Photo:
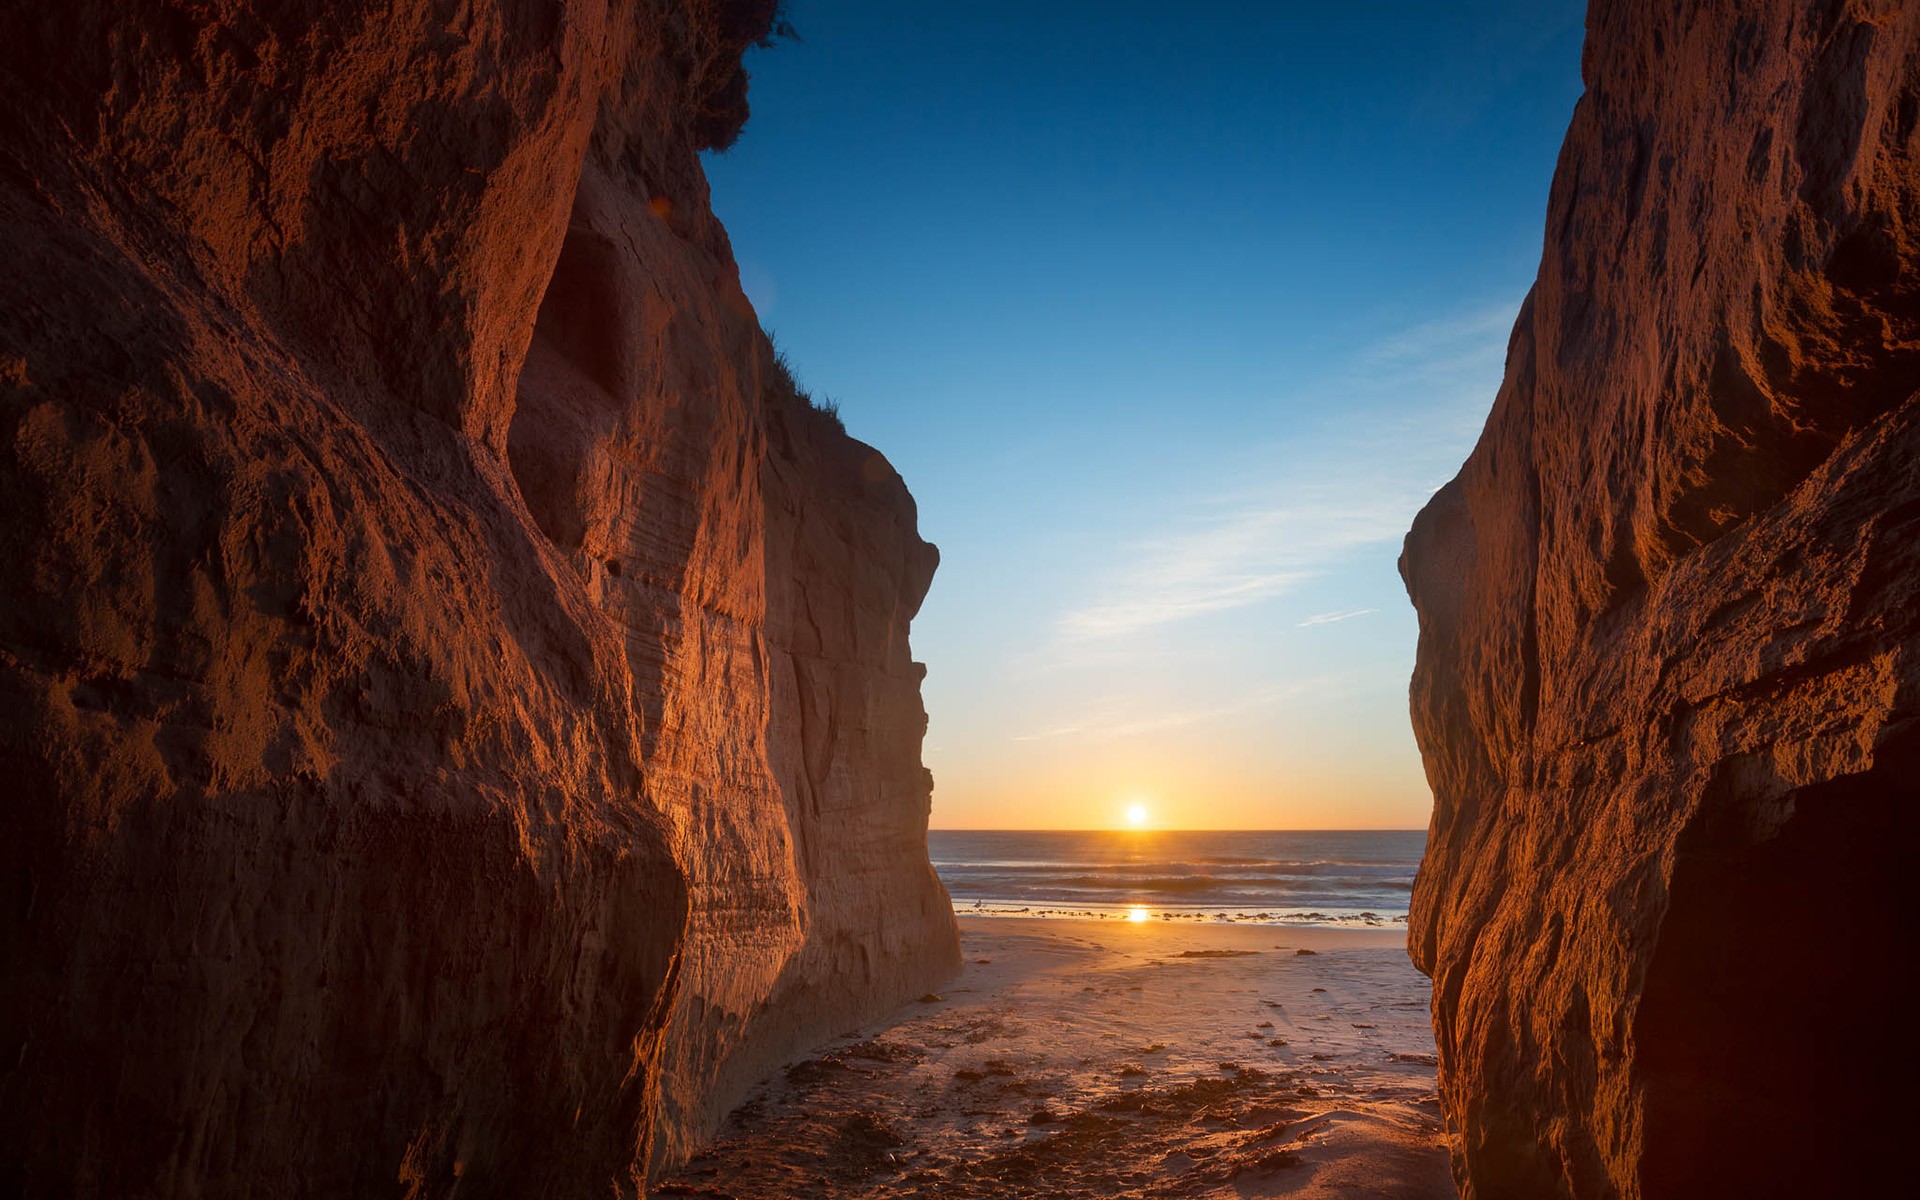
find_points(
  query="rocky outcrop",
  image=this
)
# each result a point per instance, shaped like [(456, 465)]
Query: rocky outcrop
[(1668, 689), (454, 695)]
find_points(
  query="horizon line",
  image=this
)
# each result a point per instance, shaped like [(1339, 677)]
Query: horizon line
[(1169, 829)]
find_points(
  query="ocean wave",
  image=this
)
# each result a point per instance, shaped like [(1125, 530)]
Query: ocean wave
[(1183, 884), (1237, 867), (1272, 915), (1188, 871)]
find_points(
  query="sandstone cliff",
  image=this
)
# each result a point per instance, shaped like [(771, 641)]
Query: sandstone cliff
[(455, 703), (1667, 688)]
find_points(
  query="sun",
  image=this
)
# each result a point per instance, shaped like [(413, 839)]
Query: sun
[(1137, 815)]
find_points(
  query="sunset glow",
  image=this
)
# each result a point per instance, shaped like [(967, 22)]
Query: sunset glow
[(1166, 569), (1136, 913), (1137, 815)]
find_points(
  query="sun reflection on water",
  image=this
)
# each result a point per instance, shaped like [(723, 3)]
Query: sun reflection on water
[(1136, 912)]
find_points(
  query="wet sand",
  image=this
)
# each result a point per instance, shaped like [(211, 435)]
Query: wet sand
[(1114, 1059)]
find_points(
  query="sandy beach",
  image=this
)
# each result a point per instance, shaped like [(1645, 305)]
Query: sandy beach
[(1076, 1058)]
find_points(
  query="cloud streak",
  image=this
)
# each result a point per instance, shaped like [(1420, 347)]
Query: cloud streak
[(1334, 618), (1372, 474), (1115, 722), (1233, 558), (1463, 339)]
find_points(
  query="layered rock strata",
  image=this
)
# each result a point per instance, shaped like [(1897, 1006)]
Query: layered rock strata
[(1668, 686), (455, 703)]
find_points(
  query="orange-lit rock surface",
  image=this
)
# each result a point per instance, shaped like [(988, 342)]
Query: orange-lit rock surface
[(456, 714), (1667, 687)]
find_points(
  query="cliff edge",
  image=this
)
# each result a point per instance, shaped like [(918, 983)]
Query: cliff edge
[(1668, 684), (455, 699)]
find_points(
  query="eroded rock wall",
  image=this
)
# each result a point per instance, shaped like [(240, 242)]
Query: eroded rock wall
[(1667, 687), (455, 700)]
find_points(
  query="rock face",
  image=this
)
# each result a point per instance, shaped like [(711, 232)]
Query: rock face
[(1668, 687), (455, 700)]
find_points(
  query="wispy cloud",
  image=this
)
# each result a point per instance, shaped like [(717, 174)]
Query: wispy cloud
[(1176, 591), (1131, 720), (1371, 471), (1331, 618), (1469, 337), (1233, 557)]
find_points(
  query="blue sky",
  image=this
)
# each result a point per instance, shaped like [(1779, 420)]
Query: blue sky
[(1171, 316)]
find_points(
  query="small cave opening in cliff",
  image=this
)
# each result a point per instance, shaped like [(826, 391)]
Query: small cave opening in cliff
[(1772, 1029), (572, 383)]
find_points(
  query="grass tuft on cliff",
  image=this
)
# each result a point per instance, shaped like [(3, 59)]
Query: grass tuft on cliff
[(786, 386)]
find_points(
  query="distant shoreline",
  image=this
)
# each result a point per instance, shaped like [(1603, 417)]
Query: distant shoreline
[(1292, 878), (1017, 910)]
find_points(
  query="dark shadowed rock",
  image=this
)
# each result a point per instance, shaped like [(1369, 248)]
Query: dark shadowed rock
[(1669, 614), (455, 703)]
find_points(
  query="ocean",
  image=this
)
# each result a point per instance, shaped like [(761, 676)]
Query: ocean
[(1272, 877)]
